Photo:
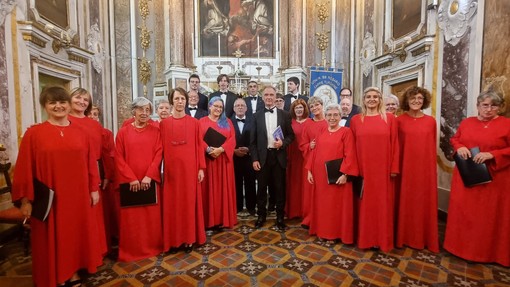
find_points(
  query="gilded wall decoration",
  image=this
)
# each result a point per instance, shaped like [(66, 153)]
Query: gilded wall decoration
[(95, 45), (6, 7), (229, 25), (367, 53), (453, 18)]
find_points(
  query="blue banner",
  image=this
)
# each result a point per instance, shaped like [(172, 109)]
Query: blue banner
[(326, 84)]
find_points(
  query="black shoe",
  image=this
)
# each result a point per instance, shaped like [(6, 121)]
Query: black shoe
[(260, 222), (271, 209), (280, 224), (188, 248), (173, 250), (304, 226)]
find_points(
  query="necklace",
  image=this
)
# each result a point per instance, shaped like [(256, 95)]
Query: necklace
[(60, 128), (139, 129), (486, 124)]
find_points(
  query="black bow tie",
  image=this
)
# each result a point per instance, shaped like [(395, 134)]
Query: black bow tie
[(192, 109), (268, 110), (295, 97), (344, 118), (240, 120), (253, 98)]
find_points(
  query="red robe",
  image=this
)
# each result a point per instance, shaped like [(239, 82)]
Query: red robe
[(110, 195), (183, 153), (219, 187), (67, 240), (417, 183), (312, 130), (478, 226), (333, 205), (139, 155), (296, 172), (378, 156), (95, 132)]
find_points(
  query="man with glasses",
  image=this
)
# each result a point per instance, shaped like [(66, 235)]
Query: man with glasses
[(192, 108), (194, 85), (347, 93), (254, 102)]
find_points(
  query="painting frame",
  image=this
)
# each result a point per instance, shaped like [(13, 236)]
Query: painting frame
[(55, 12), (410, 20), (225, 26)]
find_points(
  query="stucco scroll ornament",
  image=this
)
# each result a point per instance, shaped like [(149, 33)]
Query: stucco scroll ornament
[(95, 44), (367, 53), (6, 7), (453, 18)]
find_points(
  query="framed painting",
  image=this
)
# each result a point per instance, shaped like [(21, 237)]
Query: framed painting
[(227, 26), (406, 17), (54, 11)]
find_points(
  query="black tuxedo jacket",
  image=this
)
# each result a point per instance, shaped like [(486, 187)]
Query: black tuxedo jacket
[(355, 110), (229, 103), (199, 114), (258, 137), (203, 102), (287, 98), (260, 105), (242, 138)]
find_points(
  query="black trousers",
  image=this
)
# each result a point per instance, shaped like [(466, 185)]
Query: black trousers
[(245, 181), (272, 172)]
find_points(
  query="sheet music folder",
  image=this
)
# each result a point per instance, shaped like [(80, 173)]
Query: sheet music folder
[(130, 198), (472, 173), (43, 199), (333, 170), (213, 138)]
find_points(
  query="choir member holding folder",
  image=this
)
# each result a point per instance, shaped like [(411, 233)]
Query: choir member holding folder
[(138, 161), (218, 188), (184, 161), (58, 154), (417, 184), (332, 214), (376, 135), (478, 227)]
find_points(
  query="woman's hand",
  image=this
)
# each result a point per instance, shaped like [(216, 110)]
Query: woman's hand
[(310, 177), (134, 185), (26, 207), (105, 183), (94, 197), (216, 151), (464, 152), (342, 179), (200, 175), (482, 157), (146, 183), (312, 144)]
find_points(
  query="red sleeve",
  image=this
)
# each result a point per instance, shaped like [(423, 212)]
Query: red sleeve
[(108, 154), (230, 143), (124, 173), (94, 179), (350, 160), (154, 170), (455, 140), (22, 184), (200, 146), (394, 146)]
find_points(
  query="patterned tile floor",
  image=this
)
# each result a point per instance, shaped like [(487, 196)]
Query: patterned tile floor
[(248, 257)]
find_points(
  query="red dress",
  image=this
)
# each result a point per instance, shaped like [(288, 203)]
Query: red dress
[(311, 131), (378, 156), (417, 183), (218, 187), (296, 172), (67, 240), (183, 153), (333, 205), (139, 155), (478, 226), (110, 194)]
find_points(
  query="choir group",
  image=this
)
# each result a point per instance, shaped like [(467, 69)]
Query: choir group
[(385, 194)]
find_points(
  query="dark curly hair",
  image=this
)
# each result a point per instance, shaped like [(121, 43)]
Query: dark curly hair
[(413, 91)]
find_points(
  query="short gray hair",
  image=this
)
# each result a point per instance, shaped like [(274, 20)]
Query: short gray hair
[(392, 97), (314, 100), (140, 102), (162, 101), (333, 107), (496, 99)]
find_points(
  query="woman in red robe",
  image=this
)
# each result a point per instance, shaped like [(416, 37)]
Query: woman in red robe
[(478, 227), (310, 133), (417, 185), (81, 104), (184, 162), (138, 160), (219, 185), (66, 241), (296, 173), (376, 135), (333, 211)]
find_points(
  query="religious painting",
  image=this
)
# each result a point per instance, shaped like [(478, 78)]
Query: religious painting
[(55, 11), (406, 17), (227, 26)]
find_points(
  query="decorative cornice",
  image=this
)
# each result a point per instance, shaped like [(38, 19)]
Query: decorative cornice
[(77, 58), (420, 50), (34, 39), (54, 67)]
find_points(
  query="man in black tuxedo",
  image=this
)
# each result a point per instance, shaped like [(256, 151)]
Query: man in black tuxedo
[(194, 85), (193, 109), (346, 108), (227, 96), (269, 155), (254, 102), (293, 89), (243, 170), (347, 93)]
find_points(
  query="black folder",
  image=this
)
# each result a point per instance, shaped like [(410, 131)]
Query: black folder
[(130, 198), (333, 170), (472, 173), (43, 199), (213, 138)]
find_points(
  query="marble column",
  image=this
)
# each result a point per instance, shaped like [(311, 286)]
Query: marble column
[(176, 18), (159, 42), (368, 27), (5, 131), (97, 79), (189, 31), (295, 33), (284, 33), (341, 39)]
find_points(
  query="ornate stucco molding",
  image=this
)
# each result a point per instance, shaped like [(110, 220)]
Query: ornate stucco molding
[(367, 53), (95, 45), (6, 7), (453, 18)]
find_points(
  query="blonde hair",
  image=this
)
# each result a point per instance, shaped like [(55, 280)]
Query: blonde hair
[(380, 107)]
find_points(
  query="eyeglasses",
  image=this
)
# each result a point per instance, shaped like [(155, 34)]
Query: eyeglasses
[(487, 107), (279, 100), (417, 99), (345, 95)]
